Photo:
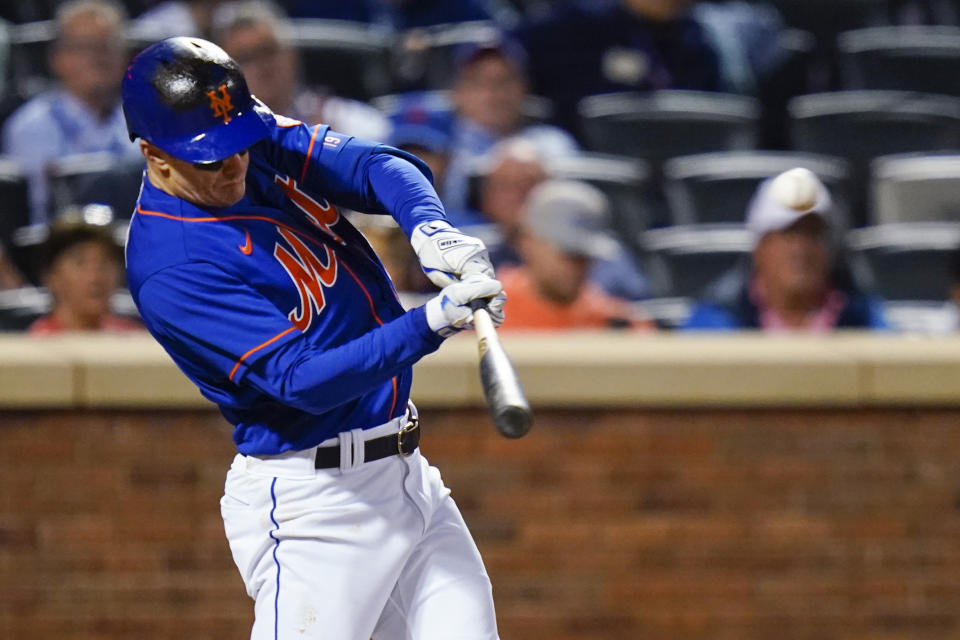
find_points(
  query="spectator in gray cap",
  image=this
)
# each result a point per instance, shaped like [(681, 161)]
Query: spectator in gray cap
[(563, 231), (791, 287), (515, 167)]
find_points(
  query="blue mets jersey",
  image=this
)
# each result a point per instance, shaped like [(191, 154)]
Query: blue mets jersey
[(277, 307)]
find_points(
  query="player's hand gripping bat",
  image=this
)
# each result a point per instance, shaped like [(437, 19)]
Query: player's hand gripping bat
[(508, 406)]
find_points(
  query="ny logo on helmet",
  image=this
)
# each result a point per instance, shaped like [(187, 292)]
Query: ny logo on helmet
[(221, 104)]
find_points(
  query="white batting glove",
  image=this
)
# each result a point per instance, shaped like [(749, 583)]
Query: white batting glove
[(447, 254), (450, 312)]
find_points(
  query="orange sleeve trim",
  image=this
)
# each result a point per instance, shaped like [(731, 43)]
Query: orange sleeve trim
[(257, 348), (306, 161)]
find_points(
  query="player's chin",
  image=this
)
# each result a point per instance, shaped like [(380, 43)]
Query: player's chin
[(229, 194)]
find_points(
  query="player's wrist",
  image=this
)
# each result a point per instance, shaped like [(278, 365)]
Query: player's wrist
[(423, 231), (437, 320)]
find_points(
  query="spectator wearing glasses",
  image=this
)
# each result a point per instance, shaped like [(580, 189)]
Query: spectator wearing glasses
[(258, 36), (82, 113)]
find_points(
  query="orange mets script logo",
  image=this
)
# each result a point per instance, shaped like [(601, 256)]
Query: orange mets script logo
[(221, 104), (308, 273), (323, 215)]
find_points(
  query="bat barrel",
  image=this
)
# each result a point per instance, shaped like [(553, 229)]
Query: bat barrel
[(505, 398)]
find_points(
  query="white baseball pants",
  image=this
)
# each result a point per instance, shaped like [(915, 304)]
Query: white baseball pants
[(375, 549)]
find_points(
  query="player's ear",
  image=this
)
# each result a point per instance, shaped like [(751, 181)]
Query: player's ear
[(154, 156)]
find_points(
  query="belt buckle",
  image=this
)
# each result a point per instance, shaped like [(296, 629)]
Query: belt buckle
[(412, 425)]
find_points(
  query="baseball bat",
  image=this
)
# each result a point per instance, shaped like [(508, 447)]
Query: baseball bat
[(508, 406)]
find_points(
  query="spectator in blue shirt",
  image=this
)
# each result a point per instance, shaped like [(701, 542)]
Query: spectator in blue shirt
[(82, 114), (489, 93)]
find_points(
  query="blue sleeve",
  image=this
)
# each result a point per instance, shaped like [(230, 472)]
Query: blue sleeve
[(403, 191), (358, 174), (243, 339), (709, 317)]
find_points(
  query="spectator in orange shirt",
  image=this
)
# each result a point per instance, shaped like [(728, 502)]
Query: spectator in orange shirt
[(563, 230), (82, 272)]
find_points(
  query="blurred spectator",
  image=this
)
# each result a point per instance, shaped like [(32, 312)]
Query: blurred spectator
[(405, 14), (82, 114), (82, 270), (258, 36), (488, 97), (516, 167), (10, 276), (420, 126), (639, 45), (175, 18), (790, 288), (562, 232)]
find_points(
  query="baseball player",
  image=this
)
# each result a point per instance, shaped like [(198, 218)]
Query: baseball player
[(244, 269)]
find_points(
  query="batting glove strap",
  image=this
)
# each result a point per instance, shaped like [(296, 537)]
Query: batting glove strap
[(449, 312), (447, 254)]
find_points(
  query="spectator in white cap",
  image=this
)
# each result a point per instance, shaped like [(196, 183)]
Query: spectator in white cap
[(791, 287), (562, 232)]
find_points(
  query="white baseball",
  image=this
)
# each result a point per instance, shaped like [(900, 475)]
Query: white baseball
[(796, 189)]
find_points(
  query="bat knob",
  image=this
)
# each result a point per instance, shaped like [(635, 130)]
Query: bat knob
[(513, 422)]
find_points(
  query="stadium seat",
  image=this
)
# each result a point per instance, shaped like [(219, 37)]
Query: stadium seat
[(921, 317), (915, 188), (830, 16), (717, 187), (905, 58), (625, 181), (425, 58), (863, 125), (14, 204), (663, 124), (351, 59), (685, 261), (20, 307), (29, 44), (906, 262), (95, 178)]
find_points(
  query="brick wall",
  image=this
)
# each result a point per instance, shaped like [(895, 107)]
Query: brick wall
[(828, 524)]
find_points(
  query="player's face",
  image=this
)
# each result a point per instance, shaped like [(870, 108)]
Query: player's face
[(215, 186)]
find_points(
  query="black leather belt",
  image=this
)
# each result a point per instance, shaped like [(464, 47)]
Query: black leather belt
[(402, 443)]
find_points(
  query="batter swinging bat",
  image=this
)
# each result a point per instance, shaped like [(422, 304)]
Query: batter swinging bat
[(508, 406)]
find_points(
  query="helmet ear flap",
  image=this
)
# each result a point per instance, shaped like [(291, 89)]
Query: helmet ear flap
[(189, 98)]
